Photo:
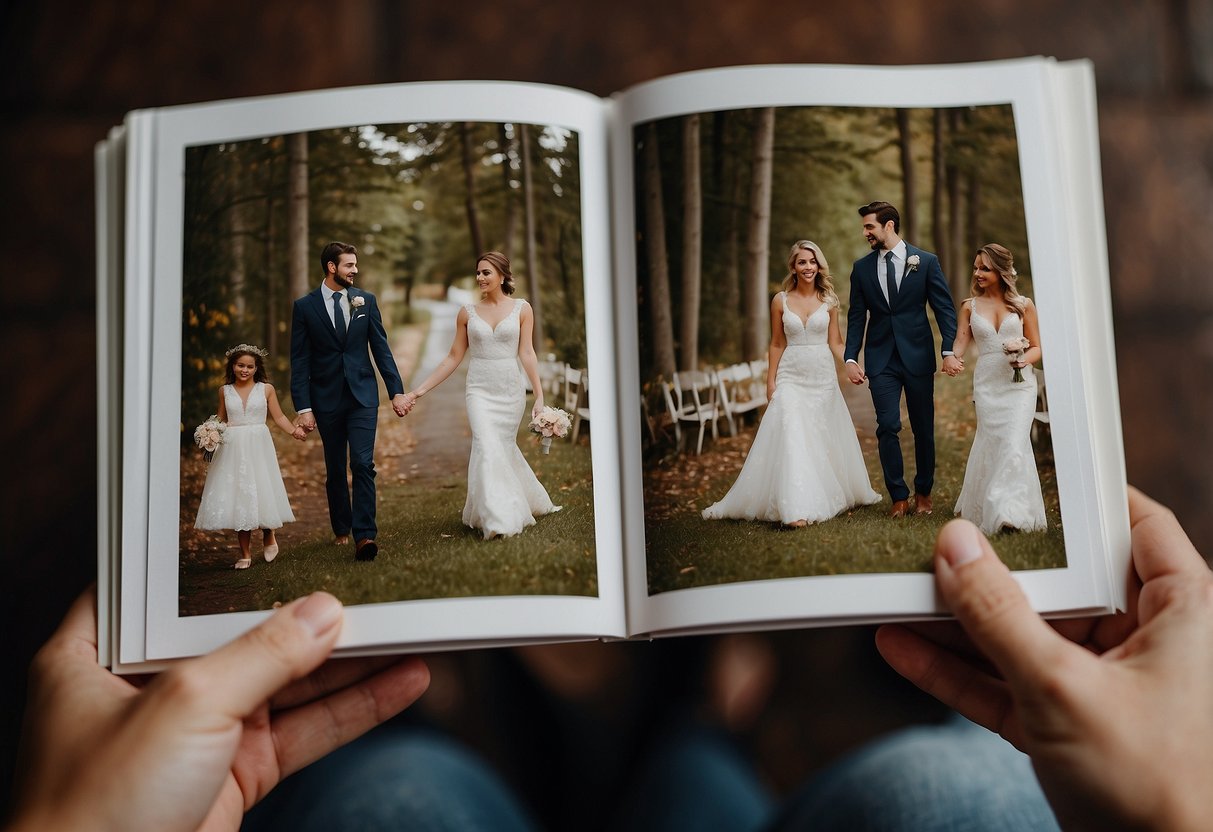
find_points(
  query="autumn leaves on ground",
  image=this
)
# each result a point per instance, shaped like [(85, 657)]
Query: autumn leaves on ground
[(425, 550), (684, 550)]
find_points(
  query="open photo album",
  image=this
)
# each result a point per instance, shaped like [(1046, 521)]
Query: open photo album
[(503, 363)]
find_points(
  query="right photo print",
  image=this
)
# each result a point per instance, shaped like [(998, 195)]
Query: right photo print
[(839, 348)]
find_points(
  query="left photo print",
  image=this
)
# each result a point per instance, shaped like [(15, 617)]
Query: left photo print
[(384, 386)]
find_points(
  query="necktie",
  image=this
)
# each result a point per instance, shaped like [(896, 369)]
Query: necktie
[(338, 317), (890, 277)]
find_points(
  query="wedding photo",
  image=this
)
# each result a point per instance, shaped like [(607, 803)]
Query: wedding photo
[(384, 391), (839, 345)]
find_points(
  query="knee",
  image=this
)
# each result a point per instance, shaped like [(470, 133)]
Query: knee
[(888, 426)]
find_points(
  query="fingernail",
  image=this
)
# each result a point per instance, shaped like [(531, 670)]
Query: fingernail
[(962, 544), (320, 612)]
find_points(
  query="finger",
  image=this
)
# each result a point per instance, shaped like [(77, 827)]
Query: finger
[(952, 680), (333, 675), (1160, 546), (237, 678), (78, 630), (305, 734), (988, 603)]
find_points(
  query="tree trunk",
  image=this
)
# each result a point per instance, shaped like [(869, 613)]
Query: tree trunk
[(754, 300), (692, 243), (909, 212), (659, 268), (532, 256), (510, 226), (732, 272), (939, 231), (469, 182), (237, 217), (297, 216), (271, 295), (973, 213), (955, 217)]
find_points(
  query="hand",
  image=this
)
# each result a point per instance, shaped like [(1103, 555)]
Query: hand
[(402, 404), (299, 433), (537, 408), (770, 390), (1119, 725), (202, 742), (307, 421), (855, 373), (953, 365)]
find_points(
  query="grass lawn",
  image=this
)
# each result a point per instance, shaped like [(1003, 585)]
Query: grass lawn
[(426, 551), (684, 550)]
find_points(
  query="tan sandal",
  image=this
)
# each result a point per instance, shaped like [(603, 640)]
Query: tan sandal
[(243, 563)]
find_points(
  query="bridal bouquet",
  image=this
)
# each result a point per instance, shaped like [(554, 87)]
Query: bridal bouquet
[(1016, 347), (551, 421), (209, 436)]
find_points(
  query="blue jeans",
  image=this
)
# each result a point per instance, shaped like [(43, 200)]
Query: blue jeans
[(952, 776), (395, 777)]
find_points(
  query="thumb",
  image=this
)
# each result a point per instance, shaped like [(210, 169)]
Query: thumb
[(294, 641), (989, 604)]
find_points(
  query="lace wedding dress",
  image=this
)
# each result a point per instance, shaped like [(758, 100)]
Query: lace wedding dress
[(504, 497), (244, 489), (1001, 487), (805, 463)]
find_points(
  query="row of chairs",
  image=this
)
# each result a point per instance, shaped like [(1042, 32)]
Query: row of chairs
[(571, 387), (701, 397)]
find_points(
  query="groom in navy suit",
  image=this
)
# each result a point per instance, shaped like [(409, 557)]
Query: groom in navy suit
[(335, 332), (890, 290)]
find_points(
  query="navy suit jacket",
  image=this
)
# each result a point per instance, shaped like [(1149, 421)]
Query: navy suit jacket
[(904, 325), (321, 364)]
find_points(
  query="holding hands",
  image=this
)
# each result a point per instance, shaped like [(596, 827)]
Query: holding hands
[(402, 403), (199, 744), (953, 365), (305, 422), (1116, 712), (855, 373)]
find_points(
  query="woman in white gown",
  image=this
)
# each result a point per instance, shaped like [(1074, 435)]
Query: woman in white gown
[(504, 496), (805, 465), (1001, 486)]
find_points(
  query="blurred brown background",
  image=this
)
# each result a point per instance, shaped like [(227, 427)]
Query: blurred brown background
[(71, 71)]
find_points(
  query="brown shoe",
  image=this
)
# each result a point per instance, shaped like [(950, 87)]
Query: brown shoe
[(922, 504), (367, 549), (900, 507)]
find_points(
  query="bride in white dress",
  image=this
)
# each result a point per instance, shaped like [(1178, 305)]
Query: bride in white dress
[(1001, 486), (805, 465), (504, 496)]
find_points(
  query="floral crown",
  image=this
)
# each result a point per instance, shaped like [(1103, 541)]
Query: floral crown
[(246, 348)]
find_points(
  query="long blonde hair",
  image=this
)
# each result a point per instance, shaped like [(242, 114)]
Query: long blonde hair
[(823, 283), (1003, 263)]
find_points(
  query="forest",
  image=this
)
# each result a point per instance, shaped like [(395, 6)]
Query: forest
[(722, 196), (419, 200)]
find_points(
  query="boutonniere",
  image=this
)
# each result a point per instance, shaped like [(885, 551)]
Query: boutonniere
[(912, 262), (357, 302)]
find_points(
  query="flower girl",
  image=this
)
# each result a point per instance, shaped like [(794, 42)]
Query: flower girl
[(244, 489)]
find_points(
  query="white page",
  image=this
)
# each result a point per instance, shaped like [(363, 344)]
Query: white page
[(1047, 192), (464, 620), (136, 393)]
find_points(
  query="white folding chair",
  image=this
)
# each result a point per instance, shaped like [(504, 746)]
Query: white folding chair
[(695, 402), (1040, 419), (739, 391)]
